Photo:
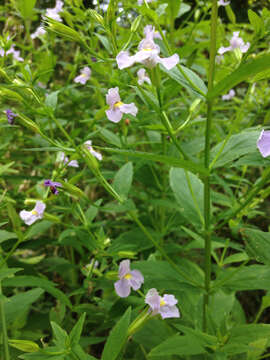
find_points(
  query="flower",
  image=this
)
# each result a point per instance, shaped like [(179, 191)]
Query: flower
[(85, 76), (96, 154), (223, 3), (149, 32), (39, 32), (235, 43), (165, 306), (62, 157), (117, 108), (10, 116), (148, 55), (29, 217), (263, 143), (128, 279), (142, 77), (53, 185), (54, 12), (229, 96)]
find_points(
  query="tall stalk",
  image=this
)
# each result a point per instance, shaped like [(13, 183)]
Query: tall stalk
[(207, 190)]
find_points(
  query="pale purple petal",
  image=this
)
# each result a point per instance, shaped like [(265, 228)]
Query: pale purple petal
[(263, 143), (169, 62), (169, 312), (170, 300), (223, 50), (136, 280), (114, 115), (122, 288), (129, 109), (124, 60), (153, 300), (28, 217), (40, 207), (113, 96), (124, 268), (73, 163)]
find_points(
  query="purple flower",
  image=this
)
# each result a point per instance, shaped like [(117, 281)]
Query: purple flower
[(148, 55), (165, 306), (128, 279), (229, 96), (85, 76), (89, 146), (39, 32), (62, 157), (117, 108), (53, 186), (142, 77), (150, 33), (235, 43), (223, 3), (29, 217), (263, 143), (54, 12), (10, 116)]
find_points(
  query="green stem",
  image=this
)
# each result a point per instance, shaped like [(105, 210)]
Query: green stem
[(4, 326), (207, 204)]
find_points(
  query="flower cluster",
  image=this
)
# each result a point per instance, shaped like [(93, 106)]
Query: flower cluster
[(133, 279), (148, 53), (236, 42)]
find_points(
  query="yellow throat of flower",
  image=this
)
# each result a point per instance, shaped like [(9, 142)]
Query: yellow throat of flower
[(118, 104), (128, 276), (162, 302)]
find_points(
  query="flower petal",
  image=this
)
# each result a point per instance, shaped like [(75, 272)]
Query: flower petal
[(122, 288)]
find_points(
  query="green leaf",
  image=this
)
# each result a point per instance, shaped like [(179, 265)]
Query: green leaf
[(61, 337), (19, 303), (5, 273), (6, 235), (258, 245), (117, 338), (51, 100), (123, 180), (188, 191), (75, 333), (176, 75), (178, 345), (188, 165), (26, 8), (47, 285), (237, 146), (242, 73)]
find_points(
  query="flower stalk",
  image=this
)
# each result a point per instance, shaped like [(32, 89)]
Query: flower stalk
[(207, 189)]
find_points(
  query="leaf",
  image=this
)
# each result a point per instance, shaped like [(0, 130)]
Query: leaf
[(178, 345), (176, 75), (258, 245), (6, 235), (123, 180), (242, 73), (188, 191), (19, 303), (51, 100), (47, 285), (237, 146), (26, 8), (188, 165), (117, 338), (75, 333)]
